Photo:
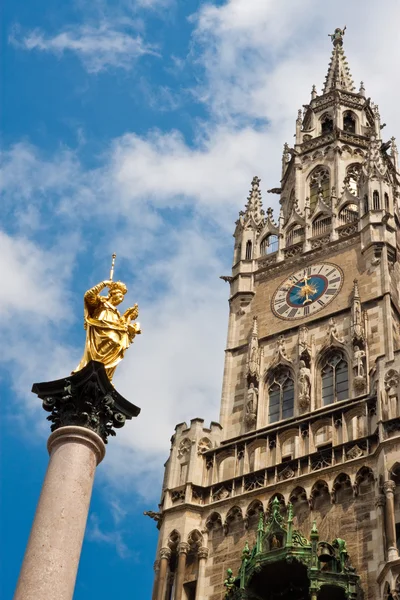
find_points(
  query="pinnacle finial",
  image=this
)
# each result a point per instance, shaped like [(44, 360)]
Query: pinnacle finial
[(362, 89), (313, 92), (337, 36)]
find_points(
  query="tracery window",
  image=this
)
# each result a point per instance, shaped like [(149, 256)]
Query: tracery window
[(352, 177), (349, 214), (334, 378), (319, 185), (326, 124), (269, 245), (349, 122), (281, 396)]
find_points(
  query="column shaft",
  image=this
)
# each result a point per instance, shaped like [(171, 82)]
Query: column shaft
[(165, 554), (203, 554), (180, 573), (388, 488), (52, 556)]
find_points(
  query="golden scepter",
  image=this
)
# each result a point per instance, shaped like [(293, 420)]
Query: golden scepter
[(114, 256)]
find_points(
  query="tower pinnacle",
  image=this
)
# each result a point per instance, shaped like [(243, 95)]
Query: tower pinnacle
[(338, 76)]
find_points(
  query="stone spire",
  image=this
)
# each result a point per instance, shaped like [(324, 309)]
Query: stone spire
[(338, 76), (374, 165), (254, 208)]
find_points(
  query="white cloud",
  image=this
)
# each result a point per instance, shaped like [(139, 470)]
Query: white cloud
[(113, 538), (97, 46)]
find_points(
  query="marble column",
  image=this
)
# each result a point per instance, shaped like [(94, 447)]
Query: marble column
[(84, 407), (180, 572), (54, 547), (203, 555), (165, 555), (389, 488)]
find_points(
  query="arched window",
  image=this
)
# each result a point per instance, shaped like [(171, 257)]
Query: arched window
[(335, 378), (249, 248), (269, 245), (375, 201), (349, 122), (366, 206), (295, 235), (386, 201), (319, 186), (321, 225), (349, 214), (351, 179), (326, 124), (281, 396)]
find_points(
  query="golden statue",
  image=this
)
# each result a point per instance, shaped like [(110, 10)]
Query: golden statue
[(108, 334)]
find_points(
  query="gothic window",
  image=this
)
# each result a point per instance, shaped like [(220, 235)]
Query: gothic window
[(295, 235), (366, 207), (386, 201), (281, 396), (326, 124), (375, 200), (349, 122), (319, 185), (351, 179), (248, 250), (321, 225), (349, 214), (335, 378), (269, 245)]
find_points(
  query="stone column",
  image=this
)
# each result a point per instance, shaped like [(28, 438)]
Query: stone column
[(165, 555), (203, 555), (84, 408), (156, 567), (388, 488), (180, 572), (54, 547)]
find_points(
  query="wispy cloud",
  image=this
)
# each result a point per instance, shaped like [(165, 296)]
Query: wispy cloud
[(113, 538), (99, 47)]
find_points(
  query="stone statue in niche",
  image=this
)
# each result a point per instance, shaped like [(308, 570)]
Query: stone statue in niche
[(251, 406), (392, 381), (304, 385), (359, 369), (253, 357)]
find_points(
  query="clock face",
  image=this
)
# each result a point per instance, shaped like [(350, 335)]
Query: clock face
[(306, 292)]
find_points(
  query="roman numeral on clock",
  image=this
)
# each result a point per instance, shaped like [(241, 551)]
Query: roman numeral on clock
[(321, 302), (331, 291), (293, 313), (306, 311), (334, 280), (282, 309)]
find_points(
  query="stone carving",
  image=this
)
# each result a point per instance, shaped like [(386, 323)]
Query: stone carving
[(203, 445), (184, 447), (165, 553), (253, 482), (286, 473), (251, 406), (304, 385), (178, 496), (333, 334), (86, 399), (202, 553), (357, 325), (221, 493), (253, 357), (360, 380), (156, 516), (354, 452), (391, 382)]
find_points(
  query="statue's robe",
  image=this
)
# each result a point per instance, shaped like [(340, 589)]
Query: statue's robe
[(107, 334)]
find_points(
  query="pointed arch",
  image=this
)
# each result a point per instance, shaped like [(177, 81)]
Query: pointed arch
[(269, 244), (234, 516), (280, 393), (319, 183), (326, 123), (319, 494), (334, 376), (249, 250), (174, 539), (195, 539), (213, 521), (364, 481), (349, 121), (342, 488)]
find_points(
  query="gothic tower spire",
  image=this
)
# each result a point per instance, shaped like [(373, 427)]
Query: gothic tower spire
[(338, 76)]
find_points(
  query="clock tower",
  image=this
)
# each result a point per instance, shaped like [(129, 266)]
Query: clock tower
[(297, 489)]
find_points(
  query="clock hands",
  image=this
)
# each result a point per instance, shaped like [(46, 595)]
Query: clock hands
[(306, 290)]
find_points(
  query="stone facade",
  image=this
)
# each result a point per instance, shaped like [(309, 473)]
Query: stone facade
[(331, 449)]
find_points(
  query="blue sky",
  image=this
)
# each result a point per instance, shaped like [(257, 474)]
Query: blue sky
[(136, 126)]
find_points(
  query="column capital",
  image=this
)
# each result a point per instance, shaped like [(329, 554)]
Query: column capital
[(203, 553), (165, 553), (85, 399), (389, 487), (77, 435), (183, 548)]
